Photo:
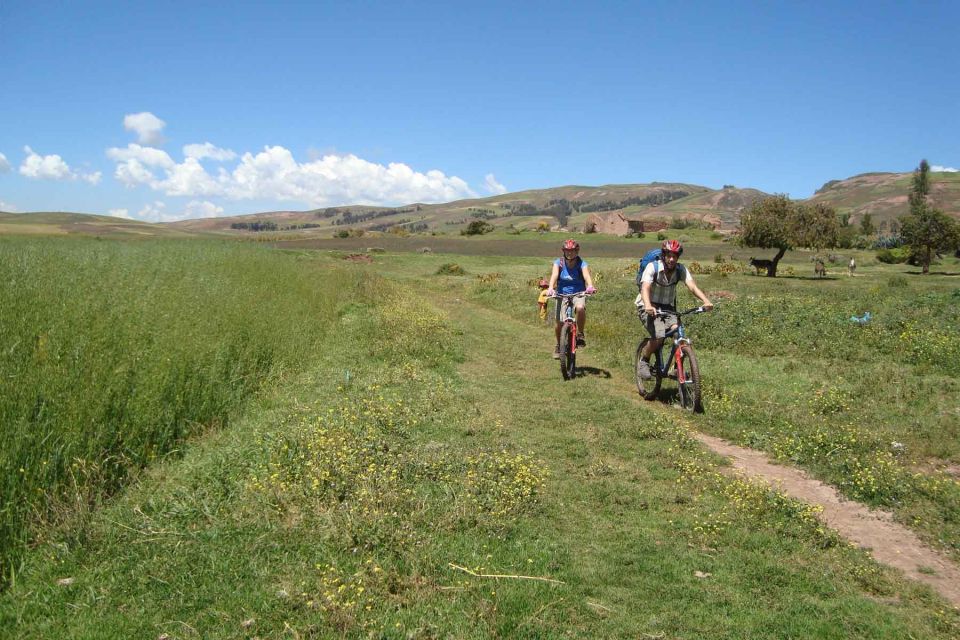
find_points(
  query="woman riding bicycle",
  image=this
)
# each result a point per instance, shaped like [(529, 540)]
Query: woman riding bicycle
[(572, 275), (657, 302)]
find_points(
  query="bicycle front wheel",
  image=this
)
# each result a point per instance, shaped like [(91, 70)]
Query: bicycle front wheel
[(568, 356), (689, 389)]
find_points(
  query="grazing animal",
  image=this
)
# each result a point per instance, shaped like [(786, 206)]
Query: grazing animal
[(761, 264), (819, 269)]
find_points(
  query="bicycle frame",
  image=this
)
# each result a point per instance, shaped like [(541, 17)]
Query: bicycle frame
[(663, 365)]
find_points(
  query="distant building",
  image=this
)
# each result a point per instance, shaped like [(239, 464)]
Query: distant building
[(616, 223)]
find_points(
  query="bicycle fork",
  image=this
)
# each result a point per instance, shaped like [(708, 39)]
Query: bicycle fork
[(678, 359)]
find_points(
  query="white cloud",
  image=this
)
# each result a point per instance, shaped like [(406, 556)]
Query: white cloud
[(938, 168), (208, 150), (147, 126), (154, 212), (52, 167), (4, 164), (120, 213), (492, 186), (145, 155), (275, 174), (202, 209), (7, 207)]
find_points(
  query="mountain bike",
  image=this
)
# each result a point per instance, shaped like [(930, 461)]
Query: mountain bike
[(679, 365), (568, 338)]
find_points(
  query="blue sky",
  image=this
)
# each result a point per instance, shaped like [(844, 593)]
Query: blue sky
[(161, 111)]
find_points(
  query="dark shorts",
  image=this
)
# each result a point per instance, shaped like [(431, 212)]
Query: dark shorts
[(657, 326)]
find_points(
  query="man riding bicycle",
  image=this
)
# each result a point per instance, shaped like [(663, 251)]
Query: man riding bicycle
[(572, 275), (657, 301)]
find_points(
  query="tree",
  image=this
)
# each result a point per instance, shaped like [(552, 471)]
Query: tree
[(814, 226), (866, 225), (765, 225), (778, 223), (926, 230)]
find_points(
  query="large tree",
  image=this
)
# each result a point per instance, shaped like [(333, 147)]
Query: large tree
[(814, 226), (926, 230), (779, 223)]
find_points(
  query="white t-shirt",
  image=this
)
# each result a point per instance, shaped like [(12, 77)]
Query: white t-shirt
[(663, 289)]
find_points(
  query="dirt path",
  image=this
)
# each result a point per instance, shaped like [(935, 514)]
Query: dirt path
[(873, 530)]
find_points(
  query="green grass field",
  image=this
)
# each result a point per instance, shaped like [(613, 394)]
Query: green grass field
[(410, 437)]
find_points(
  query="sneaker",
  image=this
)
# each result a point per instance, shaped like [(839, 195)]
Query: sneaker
[(643, 368), (581, 340), (556, 352)]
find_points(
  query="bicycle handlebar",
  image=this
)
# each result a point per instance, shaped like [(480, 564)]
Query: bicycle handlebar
[(689, 312), (557, 296)]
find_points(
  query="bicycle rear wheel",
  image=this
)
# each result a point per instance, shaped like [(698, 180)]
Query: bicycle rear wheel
[(568, 357), (648, 389), (689, 389)]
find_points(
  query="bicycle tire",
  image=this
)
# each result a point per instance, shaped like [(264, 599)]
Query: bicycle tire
[(568, 357), (689, 391), (648, 389)]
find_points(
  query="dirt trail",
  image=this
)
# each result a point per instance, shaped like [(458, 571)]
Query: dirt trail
[(873, 530)]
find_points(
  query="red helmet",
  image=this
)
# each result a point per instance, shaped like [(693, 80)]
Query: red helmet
[(673, 246), (571, 245)]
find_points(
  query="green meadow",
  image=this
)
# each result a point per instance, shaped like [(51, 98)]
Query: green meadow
[(219, 440)]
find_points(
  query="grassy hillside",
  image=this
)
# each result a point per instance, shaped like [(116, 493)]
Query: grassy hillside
[(884, 195), (62, 224)]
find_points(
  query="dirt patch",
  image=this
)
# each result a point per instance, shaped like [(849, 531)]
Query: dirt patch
[(358, 257), (873, 530)]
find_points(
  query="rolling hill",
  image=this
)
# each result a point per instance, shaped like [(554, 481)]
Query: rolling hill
[(63, 223), (882, 195)]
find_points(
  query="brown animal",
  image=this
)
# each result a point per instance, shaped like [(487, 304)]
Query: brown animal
[(819, 269), (761, 264)]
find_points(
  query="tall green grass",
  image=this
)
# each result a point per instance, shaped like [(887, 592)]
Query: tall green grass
[(112, 353)]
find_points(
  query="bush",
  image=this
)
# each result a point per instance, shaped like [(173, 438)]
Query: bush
[(477, 228), (450, 269), (893, 256)]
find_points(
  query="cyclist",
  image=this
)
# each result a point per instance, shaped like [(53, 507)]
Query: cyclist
[(658, 290), (572, 275)]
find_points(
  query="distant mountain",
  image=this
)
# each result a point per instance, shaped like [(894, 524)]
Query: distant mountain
[(567, 206), (884, 195)]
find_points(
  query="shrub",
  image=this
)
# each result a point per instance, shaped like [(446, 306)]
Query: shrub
[(897, 282), (450, 269), (477, 228), (893, 256)]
